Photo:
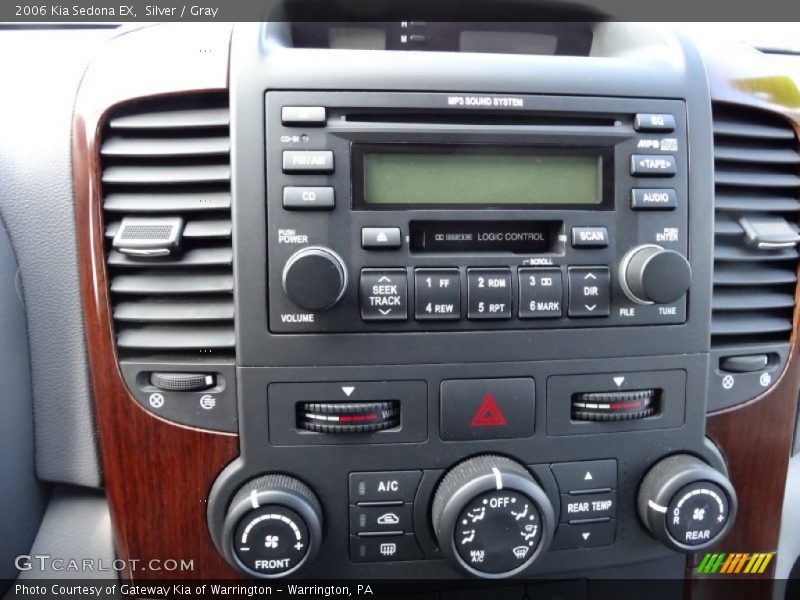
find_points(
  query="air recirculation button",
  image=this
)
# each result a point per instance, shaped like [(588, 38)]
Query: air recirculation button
[(614, 406), (348, 417)]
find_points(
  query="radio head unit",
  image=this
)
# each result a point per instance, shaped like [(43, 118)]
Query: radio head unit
[(401, 212)]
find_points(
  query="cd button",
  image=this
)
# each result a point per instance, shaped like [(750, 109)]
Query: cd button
[(489, 293), (589, 292), (437, 294), (384, 295), (540, 293), (308, 198)]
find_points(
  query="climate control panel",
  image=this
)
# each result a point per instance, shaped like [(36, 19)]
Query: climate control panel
[(488, 516)]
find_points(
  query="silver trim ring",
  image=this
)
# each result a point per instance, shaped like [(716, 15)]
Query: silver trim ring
[(623, 272)]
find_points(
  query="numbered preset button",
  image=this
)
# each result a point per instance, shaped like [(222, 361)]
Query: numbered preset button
[(489, 293), (437, 294), (540, 293)]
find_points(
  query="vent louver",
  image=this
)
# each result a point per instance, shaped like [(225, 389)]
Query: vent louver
[(756, 181), (171, 159)]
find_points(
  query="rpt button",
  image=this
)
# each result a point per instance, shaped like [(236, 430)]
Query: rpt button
[(489, 293), (394, 487)]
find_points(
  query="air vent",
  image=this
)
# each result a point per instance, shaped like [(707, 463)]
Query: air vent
[(166, 164), (757, 205)]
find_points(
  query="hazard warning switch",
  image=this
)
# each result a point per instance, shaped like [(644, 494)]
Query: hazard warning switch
[(487, 409), (488, 414)]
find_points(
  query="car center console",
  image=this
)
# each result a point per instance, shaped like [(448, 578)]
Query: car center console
[(471, 293), (471, 320)]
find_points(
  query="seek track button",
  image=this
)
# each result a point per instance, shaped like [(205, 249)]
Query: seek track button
[(384, 295)]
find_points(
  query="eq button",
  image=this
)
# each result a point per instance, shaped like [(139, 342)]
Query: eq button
[(589, 292), (654, 122)]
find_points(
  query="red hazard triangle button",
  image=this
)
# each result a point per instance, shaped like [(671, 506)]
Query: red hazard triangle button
[(488, 414), (487, 409)]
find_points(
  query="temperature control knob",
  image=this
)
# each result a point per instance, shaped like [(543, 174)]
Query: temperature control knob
[(652, 275), (686, 504), (491, 518), (314, 278), (273, 526)]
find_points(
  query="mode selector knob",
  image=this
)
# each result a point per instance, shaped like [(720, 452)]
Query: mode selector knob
[(491, 518), (651, 274), (273, 526), (686, 504), (315, 278)]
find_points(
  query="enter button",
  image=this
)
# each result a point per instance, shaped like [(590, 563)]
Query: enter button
[(582, 507)]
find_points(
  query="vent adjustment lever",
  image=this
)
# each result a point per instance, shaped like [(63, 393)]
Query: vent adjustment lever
[(148, 236)]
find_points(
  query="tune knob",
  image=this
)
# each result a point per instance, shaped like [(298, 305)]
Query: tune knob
[(686, 504), (650, 274), (314, 278), (491, 518), (272, 527)]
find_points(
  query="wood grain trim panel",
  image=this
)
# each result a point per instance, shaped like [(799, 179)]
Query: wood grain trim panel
[(157, 474), (756, 437)]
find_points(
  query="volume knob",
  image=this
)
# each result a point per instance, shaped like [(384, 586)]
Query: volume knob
[(650, 274), (314, 278)]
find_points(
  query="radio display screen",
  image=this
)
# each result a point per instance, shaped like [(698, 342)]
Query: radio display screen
[(472, 176)]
